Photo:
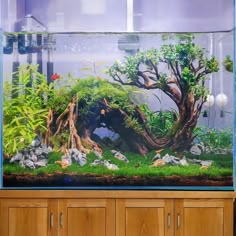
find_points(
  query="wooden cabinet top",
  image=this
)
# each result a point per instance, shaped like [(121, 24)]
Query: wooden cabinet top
[(114, 194)]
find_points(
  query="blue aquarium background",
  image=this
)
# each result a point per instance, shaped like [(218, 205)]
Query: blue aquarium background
[(122, 95)]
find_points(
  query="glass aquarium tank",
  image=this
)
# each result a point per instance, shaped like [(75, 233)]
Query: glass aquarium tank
[(121, 95)]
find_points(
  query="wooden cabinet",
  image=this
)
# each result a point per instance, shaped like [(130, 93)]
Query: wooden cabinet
[(204, 217), (144, 217), (68, 217), (87, 217), (27, 217), (115, 213), (185, 217)]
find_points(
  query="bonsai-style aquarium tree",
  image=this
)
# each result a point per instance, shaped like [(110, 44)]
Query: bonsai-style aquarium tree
[(183, 83)]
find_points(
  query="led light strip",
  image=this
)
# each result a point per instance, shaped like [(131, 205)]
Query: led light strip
[(130, 14)]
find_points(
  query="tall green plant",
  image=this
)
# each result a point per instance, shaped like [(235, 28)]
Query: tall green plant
[(25, 108)]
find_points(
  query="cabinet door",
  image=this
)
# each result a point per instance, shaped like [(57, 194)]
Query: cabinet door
[(209, 217), (87, 217), (144, 217), (26, 217)]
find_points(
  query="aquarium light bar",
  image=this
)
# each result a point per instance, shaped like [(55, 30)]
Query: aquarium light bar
[(130, 14)]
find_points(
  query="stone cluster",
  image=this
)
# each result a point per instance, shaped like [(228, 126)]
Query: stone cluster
[(74, 154), (34, 156), (173, 160), (200, 148), (106, 163)]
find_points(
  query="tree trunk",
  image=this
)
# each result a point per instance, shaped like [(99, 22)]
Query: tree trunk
[(182, 133), (141, 141)]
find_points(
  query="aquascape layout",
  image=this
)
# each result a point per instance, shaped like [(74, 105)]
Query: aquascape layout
[(158, 116)]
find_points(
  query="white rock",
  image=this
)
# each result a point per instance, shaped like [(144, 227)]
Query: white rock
[(195, 150), (99, 155), (175, 160), (194, 161), (183, 162), (33, 158), (66, 159), (36, 142), (41, 163), (110, 166), (96, 162), (206, 163), (30, 164), (167, 158), (120, 156), (78, 156), (17, 157), (156, 157)]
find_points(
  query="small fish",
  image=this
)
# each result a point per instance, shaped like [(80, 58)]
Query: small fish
[(64, 164), (158, 163), (55, 76), (137, 165), (160, 150), (99, 78), (204, 167), (103, 112)]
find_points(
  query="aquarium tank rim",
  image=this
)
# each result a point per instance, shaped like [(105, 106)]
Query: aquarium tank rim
[(115, 32)]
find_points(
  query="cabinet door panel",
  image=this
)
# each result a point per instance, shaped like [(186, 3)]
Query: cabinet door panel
[(204, 217), (140, 217), (28, 221), (27, 217), (86, 217), (204, 222), (86, 221)]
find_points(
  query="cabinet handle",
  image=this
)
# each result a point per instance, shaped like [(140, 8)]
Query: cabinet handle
[(51, 220), (178, 220), (61, 220), (168, 220)]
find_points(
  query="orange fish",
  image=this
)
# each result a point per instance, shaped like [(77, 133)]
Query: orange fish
[(64, 164), (160, 150), (204, 167), (103, 112), (99, 78)]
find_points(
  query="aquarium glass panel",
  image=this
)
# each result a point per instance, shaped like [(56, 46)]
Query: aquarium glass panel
[(118, 110), (100, 98), (80, 15), (183, 15)]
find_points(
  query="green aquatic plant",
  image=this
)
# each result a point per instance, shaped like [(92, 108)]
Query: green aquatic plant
[(228, 63), (214, 138), (161, 122), (24, 108), (183, 83), (91, 90), (131, 122)]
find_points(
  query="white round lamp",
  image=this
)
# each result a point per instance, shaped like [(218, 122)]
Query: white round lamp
[(221, 100), (210, 100)]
